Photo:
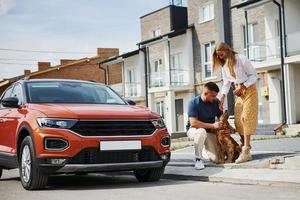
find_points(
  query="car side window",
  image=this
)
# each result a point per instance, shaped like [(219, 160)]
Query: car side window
[(7, 94), (18, 93)]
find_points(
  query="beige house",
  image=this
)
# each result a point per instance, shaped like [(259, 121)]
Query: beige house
[(279, 72)]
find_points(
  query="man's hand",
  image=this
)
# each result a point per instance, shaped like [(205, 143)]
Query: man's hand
[(217, 125)]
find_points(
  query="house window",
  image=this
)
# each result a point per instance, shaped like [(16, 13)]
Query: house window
[(177, 72), (160, 108), (131, 85), (131, 76), (176, 61), (207, 59), (206, 13), (156, 33), (158, 65), (255, 53), (157, 74), (252, 34), (277, 28)]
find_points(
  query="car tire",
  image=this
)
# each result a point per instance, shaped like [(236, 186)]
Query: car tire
[(149, 175), (1, 172), (31, 176)]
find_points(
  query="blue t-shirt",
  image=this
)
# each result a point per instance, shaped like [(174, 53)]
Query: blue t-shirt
[(204, 111)]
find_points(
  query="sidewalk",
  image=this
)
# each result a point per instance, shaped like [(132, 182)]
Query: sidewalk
[(277, 168)]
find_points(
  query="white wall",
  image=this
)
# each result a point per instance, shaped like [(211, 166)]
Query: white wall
[(136, 62), (297, 90), (184, 44), (292, 18), (272, 41), (274, 97)]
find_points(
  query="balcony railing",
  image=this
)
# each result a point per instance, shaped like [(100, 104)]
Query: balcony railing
[(270, 48), (133, 89), (158, 79), (173, 77), (264, 50), (179, 77)]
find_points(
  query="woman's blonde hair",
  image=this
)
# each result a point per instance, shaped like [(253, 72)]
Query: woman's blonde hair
[(230, 60)]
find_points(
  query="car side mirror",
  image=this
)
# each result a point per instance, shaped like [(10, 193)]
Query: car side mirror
[(10, 102), (130, 102)]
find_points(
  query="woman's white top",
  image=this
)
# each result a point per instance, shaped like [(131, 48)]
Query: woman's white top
[(244, 71)]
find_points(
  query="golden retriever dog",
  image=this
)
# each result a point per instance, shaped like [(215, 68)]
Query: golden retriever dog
[(229, 149)]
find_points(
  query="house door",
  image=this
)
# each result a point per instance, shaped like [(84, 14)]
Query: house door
[(179, 115)]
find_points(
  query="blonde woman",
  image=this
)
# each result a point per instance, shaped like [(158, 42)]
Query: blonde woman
[(238, 69)]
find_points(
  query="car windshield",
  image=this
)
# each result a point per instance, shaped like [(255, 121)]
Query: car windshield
[(71, 92)]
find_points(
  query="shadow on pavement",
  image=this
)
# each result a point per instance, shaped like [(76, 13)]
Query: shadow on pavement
[(100, 181), (261, 156)]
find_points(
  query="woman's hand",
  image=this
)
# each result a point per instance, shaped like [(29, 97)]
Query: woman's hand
[(239, 90), (221, 105)]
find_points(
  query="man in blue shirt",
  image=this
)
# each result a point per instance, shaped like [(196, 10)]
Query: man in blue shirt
[(202, 112)]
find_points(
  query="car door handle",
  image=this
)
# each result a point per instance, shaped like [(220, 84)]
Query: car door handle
[(1, 120)]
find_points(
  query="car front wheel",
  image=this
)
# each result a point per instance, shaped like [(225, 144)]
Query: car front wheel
[(149, 175), (31, 176)]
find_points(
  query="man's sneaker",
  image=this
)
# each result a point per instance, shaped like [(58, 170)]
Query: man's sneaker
[(199, 164), (244, 156)]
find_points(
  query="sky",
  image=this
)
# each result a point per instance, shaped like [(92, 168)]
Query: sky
[(66, 26)]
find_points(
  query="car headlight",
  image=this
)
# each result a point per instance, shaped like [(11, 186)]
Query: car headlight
[(158, 123), (56, 123)]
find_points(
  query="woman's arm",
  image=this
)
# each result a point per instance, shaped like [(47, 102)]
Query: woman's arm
[(225, 88), (250, 72), (226, 83)]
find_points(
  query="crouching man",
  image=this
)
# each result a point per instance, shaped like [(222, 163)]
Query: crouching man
[(202, 113)]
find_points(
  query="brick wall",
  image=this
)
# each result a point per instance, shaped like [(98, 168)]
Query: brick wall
[(159, 19), (89, 70), (81, 71), (203, 33), (43, 65), (255, 16)]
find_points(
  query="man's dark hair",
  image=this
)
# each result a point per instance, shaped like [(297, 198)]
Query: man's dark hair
[(212, 87)]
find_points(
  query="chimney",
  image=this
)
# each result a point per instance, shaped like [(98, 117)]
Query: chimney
[(105, 53), (66, 61), (27, 72), (43, 65)]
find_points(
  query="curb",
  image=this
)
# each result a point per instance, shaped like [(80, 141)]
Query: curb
[(238, 181), (253, 182)]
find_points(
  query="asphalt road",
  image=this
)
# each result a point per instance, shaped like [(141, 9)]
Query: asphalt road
[(125, 186), (117, 187)]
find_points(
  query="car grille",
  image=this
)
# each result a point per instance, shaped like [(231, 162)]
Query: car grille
[(95, 156), (113, 128)]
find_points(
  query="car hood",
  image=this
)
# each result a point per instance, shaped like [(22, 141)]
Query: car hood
[(96, 111)]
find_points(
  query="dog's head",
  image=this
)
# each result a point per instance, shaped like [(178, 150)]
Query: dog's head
[(224, 117)]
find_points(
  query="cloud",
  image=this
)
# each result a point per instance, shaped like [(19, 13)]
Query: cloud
[(6, 5)]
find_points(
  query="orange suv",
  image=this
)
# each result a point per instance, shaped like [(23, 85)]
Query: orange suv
[(54, 126)]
